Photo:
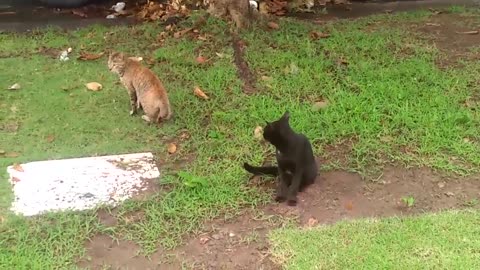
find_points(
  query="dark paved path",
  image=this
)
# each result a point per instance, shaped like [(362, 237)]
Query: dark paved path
[(25, 15)]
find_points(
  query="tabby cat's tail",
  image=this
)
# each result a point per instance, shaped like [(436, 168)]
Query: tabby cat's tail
[(269, 170), (164, 111)]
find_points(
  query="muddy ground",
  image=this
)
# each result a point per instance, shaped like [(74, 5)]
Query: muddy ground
[(241, 243)]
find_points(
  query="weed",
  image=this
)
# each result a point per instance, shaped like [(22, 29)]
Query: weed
[(409, 201)]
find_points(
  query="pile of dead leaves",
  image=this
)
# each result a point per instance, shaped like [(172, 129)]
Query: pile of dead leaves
[(171, 30), (153, 11), (281, 7), (275, 7)]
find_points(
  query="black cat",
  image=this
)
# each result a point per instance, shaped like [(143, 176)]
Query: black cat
[(297, 168)]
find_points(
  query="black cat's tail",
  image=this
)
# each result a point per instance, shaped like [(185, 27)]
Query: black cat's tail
[(270, 170)]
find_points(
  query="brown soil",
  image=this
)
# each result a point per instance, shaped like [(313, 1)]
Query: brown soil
[(241, 242), (454, 35), (244, 72)]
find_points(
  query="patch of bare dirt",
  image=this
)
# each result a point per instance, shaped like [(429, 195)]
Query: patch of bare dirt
[(341, 195), (241, 242), (455, 35), (244, 72), (106, 253)]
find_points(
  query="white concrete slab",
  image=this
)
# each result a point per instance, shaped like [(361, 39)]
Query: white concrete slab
[(80, 183)]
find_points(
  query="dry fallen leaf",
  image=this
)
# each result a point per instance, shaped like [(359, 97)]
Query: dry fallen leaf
[(136, 58), (94, 86), (221, 55), (434, 11), (258, 133), (316, 35), (15, 179), (293, 68), (184, 136), (273, 25), (50, 138), (432, 24), (267, 78), (172, 148), (263, 8), (312, 222), (12, 155), (200, 59), (15, 86), (11, 127), (342, 61), (199, 93), (475, 32), (179, 34), (349, 206), (90, 56), (319, 105), (79, 13), (386, 139), (17, 167)]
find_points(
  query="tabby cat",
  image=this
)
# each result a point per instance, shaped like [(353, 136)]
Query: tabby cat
[(146, 91)]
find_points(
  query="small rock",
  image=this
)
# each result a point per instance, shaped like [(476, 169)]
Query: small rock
[(312, 222), (217, 236), (204, 240), (111, 16), (231, 234), (449, 194), (441, 184)]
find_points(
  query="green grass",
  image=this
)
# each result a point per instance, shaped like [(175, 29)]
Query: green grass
[(385, 93), (390, 91), (434, 241)]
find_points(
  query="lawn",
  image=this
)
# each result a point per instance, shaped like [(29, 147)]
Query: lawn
[(434, 241), (388, 101)]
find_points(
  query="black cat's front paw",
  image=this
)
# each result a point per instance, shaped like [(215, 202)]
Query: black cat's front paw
[(280, 198)]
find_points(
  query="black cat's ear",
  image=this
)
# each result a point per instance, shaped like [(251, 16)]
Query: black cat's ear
[(286, 116)]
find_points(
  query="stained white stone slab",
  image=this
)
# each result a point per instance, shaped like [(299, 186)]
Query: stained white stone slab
[(80, 183)]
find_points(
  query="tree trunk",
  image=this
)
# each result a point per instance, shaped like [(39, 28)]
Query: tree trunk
[(238, 10)]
